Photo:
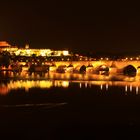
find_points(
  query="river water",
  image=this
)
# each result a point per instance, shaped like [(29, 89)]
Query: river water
[(62, 108)]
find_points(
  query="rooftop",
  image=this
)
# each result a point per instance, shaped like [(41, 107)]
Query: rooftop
[(4, 44)]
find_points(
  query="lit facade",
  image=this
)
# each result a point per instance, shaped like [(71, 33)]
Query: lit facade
[(5, 46), (40, 52)]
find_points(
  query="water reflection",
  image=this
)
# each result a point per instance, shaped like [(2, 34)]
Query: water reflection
[(9, 81), (67, 76), (6, 87)]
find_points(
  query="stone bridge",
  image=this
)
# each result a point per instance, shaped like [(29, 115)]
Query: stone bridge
[(117, 64), (97, 67)]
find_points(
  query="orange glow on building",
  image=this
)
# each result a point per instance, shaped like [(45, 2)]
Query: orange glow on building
[(4, 44)]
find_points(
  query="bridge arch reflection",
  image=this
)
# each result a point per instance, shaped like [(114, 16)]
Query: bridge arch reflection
[(47, 84)]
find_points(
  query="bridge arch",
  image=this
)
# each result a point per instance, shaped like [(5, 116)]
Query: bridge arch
[(82, 69), (70, 68), (76, 69), (61, 69), (129, 70), (89, 68), (102, 69)]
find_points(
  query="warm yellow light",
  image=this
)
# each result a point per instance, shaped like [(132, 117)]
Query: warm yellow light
[(42, 54), (65, 52), (65, 84), (45, 84), (53, 68), (27, 46)]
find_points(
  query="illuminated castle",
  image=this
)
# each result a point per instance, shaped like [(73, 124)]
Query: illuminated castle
[(5, 46)]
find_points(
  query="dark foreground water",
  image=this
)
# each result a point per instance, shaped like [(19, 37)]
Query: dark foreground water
[(53, 110)]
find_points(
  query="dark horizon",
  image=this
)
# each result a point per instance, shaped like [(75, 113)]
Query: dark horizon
[(98, 27)]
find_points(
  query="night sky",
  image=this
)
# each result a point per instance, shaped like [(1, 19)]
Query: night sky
[(82, 26)]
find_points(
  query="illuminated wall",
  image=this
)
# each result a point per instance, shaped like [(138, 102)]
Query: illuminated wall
[(41, 52), (5, 46)]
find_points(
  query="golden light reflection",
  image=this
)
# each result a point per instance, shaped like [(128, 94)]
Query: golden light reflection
[(45, 84), (86, 85), (65, 84), (131, 88), (126, 88), (106, 86), (80, 85), (137, 90), (130, 84), (21, 84), (101, 87)]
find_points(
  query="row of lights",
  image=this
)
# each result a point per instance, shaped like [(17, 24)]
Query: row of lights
[(86, 59), (132, 58)]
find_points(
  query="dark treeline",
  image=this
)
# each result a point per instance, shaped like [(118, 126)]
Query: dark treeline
[(113, 55)]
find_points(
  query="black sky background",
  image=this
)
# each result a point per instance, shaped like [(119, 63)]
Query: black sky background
[(83, 26)]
